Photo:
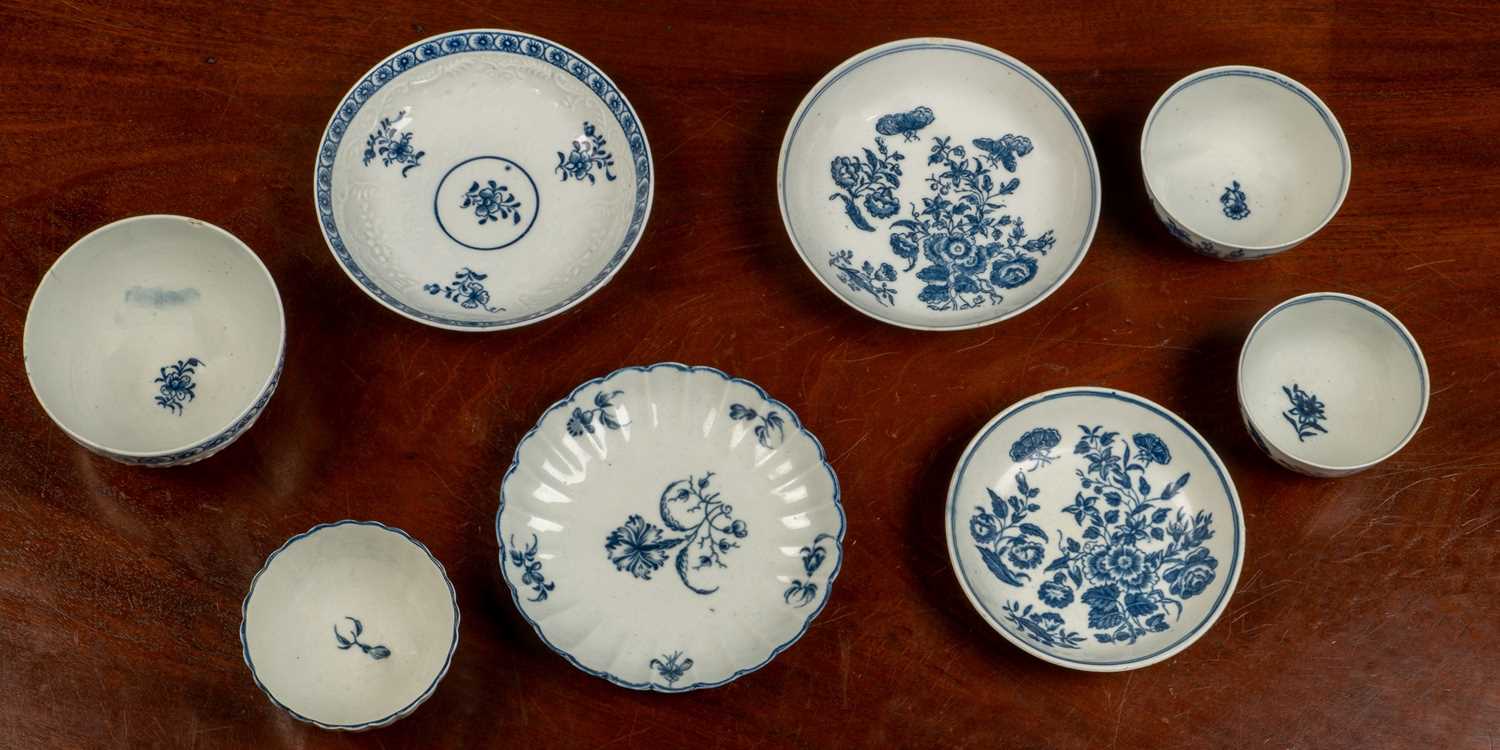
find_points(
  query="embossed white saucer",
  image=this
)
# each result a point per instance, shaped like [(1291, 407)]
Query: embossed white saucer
[(350, 625), (155, 340), (1331, 384), (669, 528), (483, 179), (1243, 162), (1094, 529), (938, 184)]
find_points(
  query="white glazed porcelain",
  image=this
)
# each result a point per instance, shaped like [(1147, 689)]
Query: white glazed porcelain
[(897, 127), (1242, 162), (1331, 384), (404, 180), (350, 626), (1095, 529), (155, 340), (669, 528)]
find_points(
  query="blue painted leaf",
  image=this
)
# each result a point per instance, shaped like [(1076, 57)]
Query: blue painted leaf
[(1073, 545), (1034, 530), (1175, 487), (996, 566), (379, 652), (1092, 532), (1104, 619), (1157, 535), (1157, 623), (1075, 576), (1144, 487), (1060, 563), (1101, 596), (1160, 515), (933, 273), (1139, 604), (852, 211), (1104, 638), (998, 504), (1112, 517)]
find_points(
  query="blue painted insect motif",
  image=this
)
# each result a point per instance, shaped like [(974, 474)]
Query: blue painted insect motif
[(905, 124)]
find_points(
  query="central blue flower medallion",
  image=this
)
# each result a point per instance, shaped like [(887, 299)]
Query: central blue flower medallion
[(486, 203)]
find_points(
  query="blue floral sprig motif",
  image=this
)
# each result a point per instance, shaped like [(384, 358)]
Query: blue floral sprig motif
[(905, 124), (1036, 446), (491, 200), (392, 147), (1203, 247), (865, 278), (1045, 628), (771, 430), (1129, 590), (706, 525), (177, 386), (466, 289), (1233, 201), (672, 667), (531, 569), (875, 178), (800, 593), (582, 420), (375, 652), (974, 250), (1008, 543), (1306, 415), (588, 154)]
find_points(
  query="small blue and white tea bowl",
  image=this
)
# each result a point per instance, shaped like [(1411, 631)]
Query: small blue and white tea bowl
[(1331, 384), (938, 184), (1095, 529), (350, 625), (155, 340), (483, 179), (1243, 163), (669, 528)]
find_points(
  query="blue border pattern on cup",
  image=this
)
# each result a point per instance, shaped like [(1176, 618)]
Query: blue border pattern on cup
[(1232, 577), (482, 41), (1014, 65), (515, 463), (383, 721)]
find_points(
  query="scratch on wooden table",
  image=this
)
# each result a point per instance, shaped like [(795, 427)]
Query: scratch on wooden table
[(1120, 710)]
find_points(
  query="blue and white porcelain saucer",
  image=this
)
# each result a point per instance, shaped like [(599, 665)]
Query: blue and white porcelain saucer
[(1095, 529), (350, 625), (669, 528), (483, 179), (155, 340), (938, 184)]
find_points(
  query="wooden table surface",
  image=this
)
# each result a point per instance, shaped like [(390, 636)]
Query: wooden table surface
[(1368, 612)]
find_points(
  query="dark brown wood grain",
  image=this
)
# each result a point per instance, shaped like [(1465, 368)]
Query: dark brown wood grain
[(1368, 613)]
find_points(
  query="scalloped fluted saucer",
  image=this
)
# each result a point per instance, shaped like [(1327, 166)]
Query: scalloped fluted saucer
[(669, 527), (483, 179), (938, 184), (1094, 529)]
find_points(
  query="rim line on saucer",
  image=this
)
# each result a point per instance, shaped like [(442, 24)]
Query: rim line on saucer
[(1236, 514), (198, 450), (399, 714), (652, 686), (410, 58), (1288, 83), (959, 45), (1423, 377)]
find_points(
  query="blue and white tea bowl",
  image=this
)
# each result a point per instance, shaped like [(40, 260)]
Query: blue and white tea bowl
[(483, 179), (938, 184), (350, 626), (155, 340), (669, 527), (1242, 163), (1095, 529), (1331, 384)]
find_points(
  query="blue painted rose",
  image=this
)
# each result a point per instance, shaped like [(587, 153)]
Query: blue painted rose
[(846, 171), (1013, 273), (1025, 555), (984, 528), (882, 204), (1193, 576)]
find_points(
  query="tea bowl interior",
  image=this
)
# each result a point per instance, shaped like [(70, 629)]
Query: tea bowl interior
[(152, 335), (481, 180), (1246, 158), (350, 625), (1332, 382)]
